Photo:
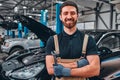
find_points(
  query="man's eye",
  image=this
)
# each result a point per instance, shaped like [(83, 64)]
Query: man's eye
[(65, 13), (72, 13)]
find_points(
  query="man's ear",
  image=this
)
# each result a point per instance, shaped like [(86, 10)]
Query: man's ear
[(60, 17), (78, 15)]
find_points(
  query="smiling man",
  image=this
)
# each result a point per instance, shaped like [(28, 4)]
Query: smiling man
[(70, 43)]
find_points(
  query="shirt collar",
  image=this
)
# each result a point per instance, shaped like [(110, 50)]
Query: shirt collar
[(67, 35)]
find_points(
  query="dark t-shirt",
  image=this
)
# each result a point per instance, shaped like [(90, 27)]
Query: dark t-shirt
[(70, 46)]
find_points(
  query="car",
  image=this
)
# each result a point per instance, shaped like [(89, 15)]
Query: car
[(16, 44), (106, 39), (108, 43), (109, 50)]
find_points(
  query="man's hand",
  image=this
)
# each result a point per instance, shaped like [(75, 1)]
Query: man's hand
[(82, 62), (60, 70)]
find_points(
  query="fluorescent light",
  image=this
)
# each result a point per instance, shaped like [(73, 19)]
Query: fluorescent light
[(16, 9), (115, 2), (0, 4), (24, 7)]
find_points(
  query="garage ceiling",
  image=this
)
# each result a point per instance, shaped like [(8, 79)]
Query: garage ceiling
[(32, 7), (10, 7)]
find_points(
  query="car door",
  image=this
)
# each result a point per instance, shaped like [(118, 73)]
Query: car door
[(111, 41), (110, 63)]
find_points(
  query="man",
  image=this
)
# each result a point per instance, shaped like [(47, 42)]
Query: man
[(70, 47)]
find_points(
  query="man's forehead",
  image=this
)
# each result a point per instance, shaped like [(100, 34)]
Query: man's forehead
[(69, 8)]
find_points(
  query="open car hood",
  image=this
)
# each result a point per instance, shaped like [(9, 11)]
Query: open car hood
[(42, 31), (8, 25)]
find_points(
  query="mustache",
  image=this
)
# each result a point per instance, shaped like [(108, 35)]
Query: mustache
[(69, 19)]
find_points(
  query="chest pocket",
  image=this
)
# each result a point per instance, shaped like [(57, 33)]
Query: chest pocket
[(70, 60)]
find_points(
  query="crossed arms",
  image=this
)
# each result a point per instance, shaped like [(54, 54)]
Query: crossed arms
[(90, 70)]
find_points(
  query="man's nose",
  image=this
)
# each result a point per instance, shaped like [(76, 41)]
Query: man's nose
[(69, 15)]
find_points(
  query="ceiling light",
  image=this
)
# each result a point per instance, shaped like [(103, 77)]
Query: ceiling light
[(33, 9), (16, 9), (24, 7), (115, 1), (60, 2), (0, 4), (117, 8)]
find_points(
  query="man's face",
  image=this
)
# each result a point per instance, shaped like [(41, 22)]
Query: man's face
[(69, 16)]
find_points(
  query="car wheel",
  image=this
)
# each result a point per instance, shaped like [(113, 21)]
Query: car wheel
[(15, 50)]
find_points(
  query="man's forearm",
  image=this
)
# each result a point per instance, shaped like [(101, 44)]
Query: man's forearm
[(90, 70), (86, 71), (69, 65)]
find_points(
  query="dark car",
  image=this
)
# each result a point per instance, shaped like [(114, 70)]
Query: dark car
[(108, 43), (107, 39), (109, 49)]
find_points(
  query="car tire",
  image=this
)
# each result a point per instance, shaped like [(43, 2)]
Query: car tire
[(15, 50)]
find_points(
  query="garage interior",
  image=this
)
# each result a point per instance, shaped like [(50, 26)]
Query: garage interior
[(94, 11), (95, 17)]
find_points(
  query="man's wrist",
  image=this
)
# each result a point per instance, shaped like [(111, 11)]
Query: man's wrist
[(66, 72), (73, 65), (60, 70), (82, 62)]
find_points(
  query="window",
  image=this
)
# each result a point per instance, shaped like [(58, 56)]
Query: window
[(111, 41)]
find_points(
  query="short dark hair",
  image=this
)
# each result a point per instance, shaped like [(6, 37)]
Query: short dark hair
[(69, 3)]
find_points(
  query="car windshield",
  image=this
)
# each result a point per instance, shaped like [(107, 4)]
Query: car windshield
[(111, 41), (95, 34)]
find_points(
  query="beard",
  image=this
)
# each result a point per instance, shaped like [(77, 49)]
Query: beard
[(69, 23)]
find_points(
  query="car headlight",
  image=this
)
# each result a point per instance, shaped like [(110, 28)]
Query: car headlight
[(28, 71), (6, 44)]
